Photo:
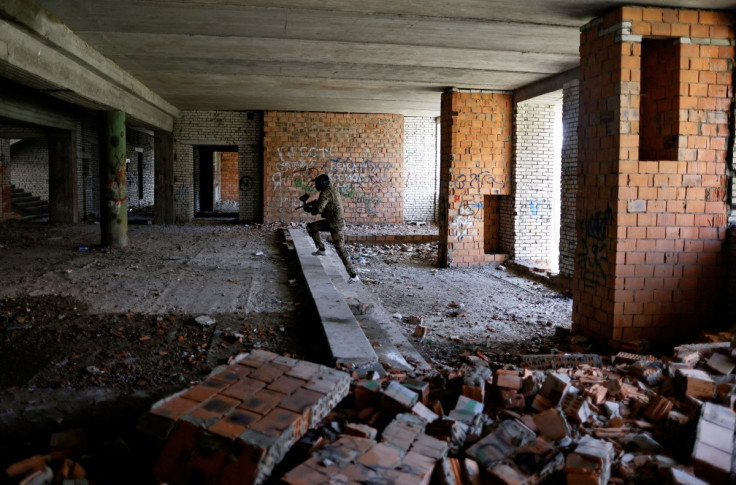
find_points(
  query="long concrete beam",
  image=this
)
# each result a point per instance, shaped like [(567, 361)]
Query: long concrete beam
[(37, 45), (21, 108), (545, 86), (348, 344)]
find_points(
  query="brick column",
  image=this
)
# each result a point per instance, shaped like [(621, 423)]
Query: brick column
[(5, 196), (63, 204), (474, 173), (651, 212), (569, 179), (534, 189), (163, 205)]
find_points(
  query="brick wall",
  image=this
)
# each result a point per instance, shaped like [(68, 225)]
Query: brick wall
[(362, 153), (239, 128), (534, 182), (139, 145), (731, 198), (421, 169), (650, 258), (476, 162), (29, 169), (731, 238), (569, 177), (5, 196), (89, 174), (229, 176)]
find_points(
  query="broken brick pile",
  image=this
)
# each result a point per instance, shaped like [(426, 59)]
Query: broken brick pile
[(577, 417), (581, 418), (239, 423)]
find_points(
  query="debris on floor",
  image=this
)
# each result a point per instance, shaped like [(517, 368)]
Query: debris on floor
[(579, 418), (239, 423)]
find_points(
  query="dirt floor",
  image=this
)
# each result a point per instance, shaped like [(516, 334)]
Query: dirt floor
[(486, 308), (96, 335)]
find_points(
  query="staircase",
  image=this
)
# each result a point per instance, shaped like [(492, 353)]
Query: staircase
[(28, 205)]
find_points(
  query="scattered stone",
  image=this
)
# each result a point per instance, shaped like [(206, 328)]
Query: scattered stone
[(205, 320)]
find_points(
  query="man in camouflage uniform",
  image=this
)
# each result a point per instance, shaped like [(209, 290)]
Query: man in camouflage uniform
[(329, 206)]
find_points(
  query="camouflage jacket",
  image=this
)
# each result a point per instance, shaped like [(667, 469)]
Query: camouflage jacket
[(330, 207)]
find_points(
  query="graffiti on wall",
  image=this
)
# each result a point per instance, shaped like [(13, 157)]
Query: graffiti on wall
[(592, 253), (361, 181), (539, 207), (478, 180), (462, 224)]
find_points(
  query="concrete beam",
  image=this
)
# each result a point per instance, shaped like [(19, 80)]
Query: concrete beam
[(545, 86), (348, 344), (24, 109), (35, 44)]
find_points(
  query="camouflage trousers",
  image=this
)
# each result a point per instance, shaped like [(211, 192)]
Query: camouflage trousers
[(338, 240)]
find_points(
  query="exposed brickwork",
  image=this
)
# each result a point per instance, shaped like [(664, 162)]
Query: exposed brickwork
[(89, 186), (229, 176), (139, 145), (650, 259), (731, 238), (476, 162), (405, 455), (238, 424), (421, 169), (569, 177), (534, 183), (29, 169), (362, 153), (242, 129), (390, 239), (5, 196)]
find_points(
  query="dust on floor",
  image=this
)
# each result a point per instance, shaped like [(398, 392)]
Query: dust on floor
[(83, 328)]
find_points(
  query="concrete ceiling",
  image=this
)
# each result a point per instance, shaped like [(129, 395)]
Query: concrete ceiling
[(378, 56)]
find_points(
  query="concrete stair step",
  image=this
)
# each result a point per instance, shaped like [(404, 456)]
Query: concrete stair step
[(30, 203)]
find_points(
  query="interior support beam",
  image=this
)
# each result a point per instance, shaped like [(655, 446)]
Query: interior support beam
[(163, 167), (62, 177), (546, 85), (115, 194), (35, 47)]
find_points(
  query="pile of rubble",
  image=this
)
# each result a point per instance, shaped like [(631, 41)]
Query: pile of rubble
[(579, 418)]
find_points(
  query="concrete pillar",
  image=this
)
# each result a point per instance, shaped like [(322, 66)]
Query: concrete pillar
[(475, 174), (651, 200), (163, 152), (5, 194), (63, 205), (114, 215)]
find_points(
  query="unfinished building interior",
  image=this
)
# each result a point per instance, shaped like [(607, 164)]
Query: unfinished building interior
[(152, 159)]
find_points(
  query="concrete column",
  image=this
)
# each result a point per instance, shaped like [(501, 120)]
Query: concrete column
[(62, 177), (5, 195), (163, 152), (115, 193)]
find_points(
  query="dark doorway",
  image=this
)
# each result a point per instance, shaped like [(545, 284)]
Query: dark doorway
[(210, 179), (206, 180)]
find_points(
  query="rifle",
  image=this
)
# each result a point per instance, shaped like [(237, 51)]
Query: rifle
[(305, 205)]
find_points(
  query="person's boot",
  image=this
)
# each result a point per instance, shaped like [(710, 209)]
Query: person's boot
[(319, 252)]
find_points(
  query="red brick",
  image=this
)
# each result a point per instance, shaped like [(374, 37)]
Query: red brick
[(235, 423), (243, 389), (205, 390), (262, 401)]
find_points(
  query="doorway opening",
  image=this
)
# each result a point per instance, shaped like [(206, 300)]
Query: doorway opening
[(216, 179)]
